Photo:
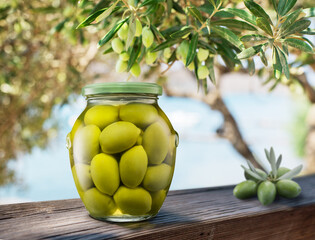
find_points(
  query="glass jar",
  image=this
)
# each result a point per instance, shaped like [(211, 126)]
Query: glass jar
[(122, 151)]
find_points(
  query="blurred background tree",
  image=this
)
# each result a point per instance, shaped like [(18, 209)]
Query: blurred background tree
[(44, 59)]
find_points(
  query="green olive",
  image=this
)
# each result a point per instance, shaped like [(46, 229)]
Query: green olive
[(123, 32), (147, 37), (203, 72), (98, 204), (260, 172), (155, 142), (82, 176), (101, 116), (86, 144), (133, 201), (135, 69), (117, 45), (157, 177), (202, 54), (118, 137), (167, 53), (138, 28), (105, 173), (124, 56), (266, 192), (288, 188), (150, 57), (282, 171), (157, 200), (191, 66), (245, 189), (182, 50), (121, 66), (133, 166), (139, 114)]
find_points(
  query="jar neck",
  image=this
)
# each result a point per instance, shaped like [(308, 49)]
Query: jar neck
[(122, 98)]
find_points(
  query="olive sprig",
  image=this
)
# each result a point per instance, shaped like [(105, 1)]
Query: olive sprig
[(267, 184)]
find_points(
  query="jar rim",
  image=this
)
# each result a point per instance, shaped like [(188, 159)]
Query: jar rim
[(122, 87)]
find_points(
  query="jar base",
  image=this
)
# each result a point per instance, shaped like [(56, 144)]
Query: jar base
[(123, 218)]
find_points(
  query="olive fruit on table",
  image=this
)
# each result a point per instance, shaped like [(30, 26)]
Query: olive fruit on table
[(245, 189), (288, 188), (266, 192)]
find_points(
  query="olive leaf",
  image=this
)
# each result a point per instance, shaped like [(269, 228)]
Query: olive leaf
[(310, 12), (182, 32), (251, 66), (106, 13), (112, 32), (299, 44), (192, 49), (285, 6), (195, 13), (229, 36), (233, 23), (253, 174), (257, 10), (295, 171), (263, 24), (90, 18), (262, 56), (134, 52), (309, 31), (296, 27), (249, 52), (207, 46), (272, 161), (156, 32), (109, 50), (284, 63), (242, 14), (290, 19), (166, 44), (253, 37), (277, 68), (210, 65), (178, 8), (279, 160)]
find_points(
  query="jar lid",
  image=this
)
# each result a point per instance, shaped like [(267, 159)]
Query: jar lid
[(122, 87)]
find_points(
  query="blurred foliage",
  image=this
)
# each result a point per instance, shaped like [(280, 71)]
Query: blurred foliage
[(43, 57), (39, 69)]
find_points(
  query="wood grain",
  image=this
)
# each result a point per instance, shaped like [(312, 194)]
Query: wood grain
[(207, 213)]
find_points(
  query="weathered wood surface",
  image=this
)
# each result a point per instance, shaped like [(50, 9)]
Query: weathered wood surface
[(208, 213)]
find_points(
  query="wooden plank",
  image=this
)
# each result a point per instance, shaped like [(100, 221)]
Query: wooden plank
[(207, 213)]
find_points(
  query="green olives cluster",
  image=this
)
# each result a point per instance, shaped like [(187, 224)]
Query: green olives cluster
[(132, 35), (123, 158), (267, 186)]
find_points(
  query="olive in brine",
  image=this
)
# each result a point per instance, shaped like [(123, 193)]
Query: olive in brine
[(105, 173), (157, 200), (98, 204), (82, 176), (118, 137), (101, 116), (134, 201), (157, 177), (133, 166), (86, 143), (139, 114), (155, 141)]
